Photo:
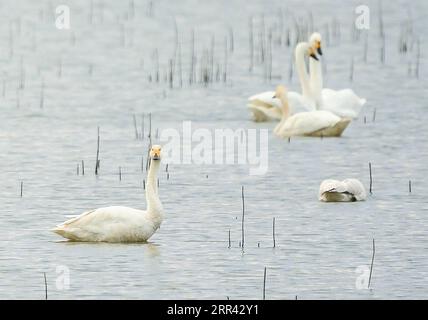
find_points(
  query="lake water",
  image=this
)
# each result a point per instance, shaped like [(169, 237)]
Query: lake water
[(58, 86)]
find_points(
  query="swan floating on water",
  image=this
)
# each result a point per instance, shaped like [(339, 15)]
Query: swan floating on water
[(344, 103), (319, 123), (120, 224), (348, 190), (265, 108)]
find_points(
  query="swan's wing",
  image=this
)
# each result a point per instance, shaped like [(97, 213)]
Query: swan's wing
[(264, 107), (331, 185), (80, 217), (308, 122), (265, 99), (356, 188), (100, 217), (344, 103), (261, 113)]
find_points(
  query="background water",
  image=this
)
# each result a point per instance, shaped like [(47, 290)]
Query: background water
[(103, 71)]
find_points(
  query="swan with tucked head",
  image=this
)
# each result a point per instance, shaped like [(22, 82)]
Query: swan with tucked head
[(319, 123), (348, 190), (120, 224)]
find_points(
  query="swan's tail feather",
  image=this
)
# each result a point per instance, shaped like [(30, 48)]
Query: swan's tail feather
[(342, 125), (63, 232), (59, 230)]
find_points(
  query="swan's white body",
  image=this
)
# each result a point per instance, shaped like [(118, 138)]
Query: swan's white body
[(312, 123), (110, 224), (348, 190), (344, 103), (320, 123), (118, 224)]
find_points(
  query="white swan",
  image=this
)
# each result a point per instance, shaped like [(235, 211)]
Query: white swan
[(120, 224), (264, 107), (344, 103), (319, 123), (348, 190)]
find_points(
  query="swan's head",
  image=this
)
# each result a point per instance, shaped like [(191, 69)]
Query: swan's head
[(315, 42), (280, 92), (155, 152), (305, 49)]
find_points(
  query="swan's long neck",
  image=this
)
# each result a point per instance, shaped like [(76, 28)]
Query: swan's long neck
[(285, 107), (285, 113), (154, 206), (316, 80), (302, 72)]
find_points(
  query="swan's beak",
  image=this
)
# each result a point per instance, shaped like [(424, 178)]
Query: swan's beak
[(318, 47), (313, 55), (274, 97), (156, 156)]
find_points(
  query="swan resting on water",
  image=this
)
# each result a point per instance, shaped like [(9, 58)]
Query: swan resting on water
[(343, 103), (264, 107), (318, 123), (348, 190), (120, 224)]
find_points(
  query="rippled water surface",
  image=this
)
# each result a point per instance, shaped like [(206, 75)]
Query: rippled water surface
[(103, 71)]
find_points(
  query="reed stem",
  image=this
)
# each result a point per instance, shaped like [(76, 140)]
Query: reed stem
[(243, 218), (229, 240), (97, 163), (264, 284), (273, 233), (371, 177), (371, 266), (46, 286)]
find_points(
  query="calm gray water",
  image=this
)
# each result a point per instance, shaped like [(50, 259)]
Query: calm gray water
[(98, 74)]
